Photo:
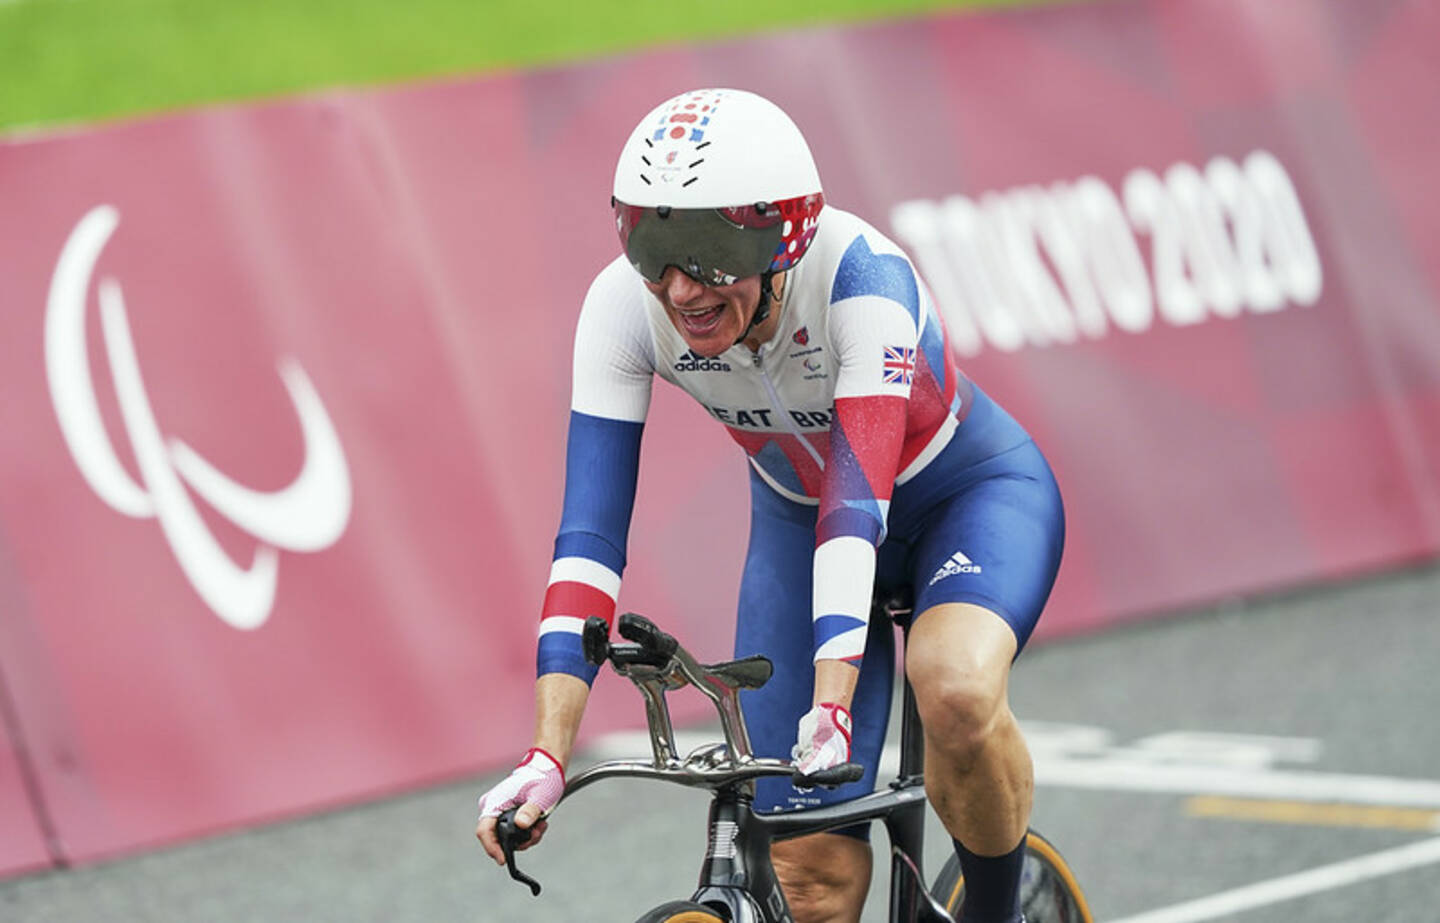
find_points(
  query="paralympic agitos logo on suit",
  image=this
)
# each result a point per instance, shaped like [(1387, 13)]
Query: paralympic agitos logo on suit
[(308, 515)]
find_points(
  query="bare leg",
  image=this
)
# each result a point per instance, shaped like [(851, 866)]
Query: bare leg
[(825, 876), (978, 773)]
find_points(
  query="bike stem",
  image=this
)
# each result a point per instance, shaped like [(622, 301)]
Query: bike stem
[(726, 699), (657, 717), (684, 669)]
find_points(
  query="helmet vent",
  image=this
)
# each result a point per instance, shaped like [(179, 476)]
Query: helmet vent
[(689, 181), (696, 164), (646, 180)]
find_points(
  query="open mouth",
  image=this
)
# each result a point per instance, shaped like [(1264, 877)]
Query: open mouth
[(701, 322)]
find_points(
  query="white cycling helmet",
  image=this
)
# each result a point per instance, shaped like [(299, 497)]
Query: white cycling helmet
[(719, 183)]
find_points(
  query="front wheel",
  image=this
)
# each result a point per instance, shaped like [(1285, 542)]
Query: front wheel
[(682, 912), (1049, 892)]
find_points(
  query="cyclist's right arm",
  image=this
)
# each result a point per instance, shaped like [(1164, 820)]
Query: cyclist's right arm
[(614, 363), (610, 395)]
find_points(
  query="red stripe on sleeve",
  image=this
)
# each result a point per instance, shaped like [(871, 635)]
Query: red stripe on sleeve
[(581, 600)]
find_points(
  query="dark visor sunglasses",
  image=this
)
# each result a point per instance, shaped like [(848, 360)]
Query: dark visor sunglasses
[(717, 246)]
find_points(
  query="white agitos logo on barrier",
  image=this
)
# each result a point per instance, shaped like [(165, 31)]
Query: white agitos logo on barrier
[(308, 515)]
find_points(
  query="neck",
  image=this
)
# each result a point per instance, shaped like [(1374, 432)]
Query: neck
[(764, 331)]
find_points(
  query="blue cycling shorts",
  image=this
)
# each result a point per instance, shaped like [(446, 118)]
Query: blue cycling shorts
[(992, 537)]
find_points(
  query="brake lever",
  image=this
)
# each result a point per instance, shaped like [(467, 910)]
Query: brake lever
[(828, 778), (511, 838), (595, 638)]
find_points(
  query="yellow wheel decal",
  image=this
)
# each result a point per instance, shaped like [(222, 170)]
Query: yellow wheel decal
[(952, 903), (1049, 854)]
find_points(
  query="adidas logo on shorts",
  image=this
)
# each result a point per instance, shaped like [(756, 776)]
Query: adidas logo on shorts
[(958, 564)]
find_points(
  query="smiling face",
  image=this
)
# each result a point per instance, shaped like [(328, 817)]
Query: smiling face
[(710, 318)]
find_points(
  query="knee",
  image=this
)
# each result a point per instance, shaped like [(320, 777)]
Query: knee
[(962, 710), (825, 876)]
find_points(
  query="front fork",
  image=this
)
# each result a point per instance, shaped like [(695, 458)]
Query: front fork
[(737, 873)]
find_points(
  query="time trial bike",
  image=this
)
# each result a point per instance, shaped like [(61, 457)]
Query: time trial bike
[(737, 881)]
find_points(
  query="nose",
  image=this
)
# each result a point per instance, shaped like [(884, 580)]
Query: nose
[(680, 288)]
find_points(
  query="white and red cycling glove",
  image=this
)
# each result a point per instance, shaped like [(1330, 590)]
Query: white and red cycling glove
[(823, 741), (537, 779)]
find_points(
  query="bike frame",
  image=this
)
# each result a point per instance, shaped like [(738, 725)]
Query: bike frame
[(737, 873)]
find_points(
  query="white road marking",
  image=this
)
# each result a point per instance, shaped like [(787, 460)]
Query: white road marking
[(1291, 785), (1301, 884)]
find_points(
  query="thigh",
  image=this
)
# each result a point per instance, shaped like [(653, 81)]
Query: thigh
[(996, 544), (774, 619)]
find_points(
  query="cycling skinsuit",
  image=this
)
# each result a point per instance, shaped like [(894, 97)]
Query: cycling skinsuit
[(873, 461)]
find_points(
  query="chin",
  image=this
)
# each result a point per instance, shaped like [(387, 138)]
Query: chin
[(712, 344), (710, 348)]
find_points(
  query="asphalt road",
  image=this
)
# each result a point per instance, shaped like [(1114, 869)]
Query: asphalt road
[(1263, 761)]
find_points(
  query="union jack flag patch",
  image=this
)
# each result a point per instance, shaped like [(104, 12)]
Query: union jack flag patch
[(899, 366)]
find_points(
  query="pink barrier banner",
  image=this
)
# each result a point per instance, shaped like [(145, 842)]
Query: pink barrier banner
[(22, 845), (286, 428), (286, 385)]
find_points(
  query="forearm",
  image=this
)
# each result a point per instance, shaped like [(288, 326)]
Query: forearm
[(844, 574), (559, 705), (835, 682)]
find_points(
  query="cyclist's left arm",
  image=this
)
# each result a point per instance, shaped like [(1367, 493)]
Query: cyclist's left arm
[(873, 327)]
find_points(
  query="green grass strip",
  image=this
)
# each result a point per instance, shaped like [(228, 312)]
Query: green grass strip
[(64, 61)]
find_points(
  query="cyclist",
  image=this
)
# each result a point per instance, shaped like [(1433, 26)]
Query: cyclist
[(873, 461)]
